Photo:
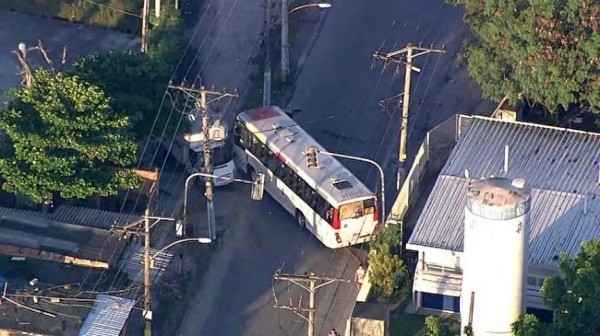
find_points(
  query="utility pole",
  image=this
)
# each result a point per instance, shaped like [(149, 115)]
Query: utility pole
[(309, 283), (404, 57), (145, 19), (157, 5), (133, 228), (204, 102), (147, 279), (285, 44), (267, 42)]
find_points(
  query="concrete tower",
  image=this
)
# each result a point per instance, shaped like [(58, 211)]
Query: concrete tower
[(495, 255)]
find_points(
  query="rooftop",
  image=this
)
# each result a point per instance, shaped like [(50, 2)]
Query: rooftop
[(560, 166), (107, 316), (29, 234), (62, 306), (289, 140)]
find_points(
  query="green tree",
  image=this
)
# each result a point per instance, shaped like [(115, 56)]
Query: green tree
[(136, 83), (436, 327), (574, 298), (166, 38), (65, 139), (387, 272), (542, 51), (527, 325)]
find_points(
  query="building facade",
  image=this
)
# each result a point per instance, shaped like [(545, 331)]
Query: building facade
[(561, 167)]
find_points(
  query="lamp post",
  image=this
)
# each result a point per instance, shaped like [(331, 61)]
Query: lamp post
[(285, 45), (256, 194), (177, 242), (382, 176)]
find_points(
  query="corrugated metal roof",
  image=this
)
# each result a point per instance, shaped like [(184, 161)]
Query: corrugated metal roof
[(78, 215), (132, 262), (288, 140), (35, 232), (560, 166), (90, 217), (107, 317)]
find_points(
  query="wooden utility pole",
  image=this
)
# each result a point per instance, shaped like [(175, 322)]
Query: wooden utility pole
[(204, 102), (157, 5), (404, 57), (145, 28), (308, 283), (133, 228), (147, 279), (267, 44)]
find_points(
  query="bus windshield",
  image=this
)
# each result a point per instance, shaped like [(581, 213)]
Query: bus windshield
[(357, 209)]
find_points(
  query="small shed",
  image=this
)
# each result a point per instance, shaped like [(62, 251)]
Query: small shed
[(369, 319)]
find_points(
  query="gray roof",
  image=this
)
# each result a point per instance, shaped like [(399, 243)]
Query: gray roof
[(79, 215), (107, 317), (132, 262), (20, 229), (560, 166), (273, 126)]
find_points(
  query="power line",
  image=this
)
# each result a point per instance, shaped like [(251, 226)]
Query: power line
[(307, 282), (156, 118), (113, 9), (197, 78)]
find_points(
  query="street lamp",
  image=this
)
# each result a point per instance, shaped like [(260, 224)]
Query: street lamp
[(285, 34), (356, 158), (258, 187), (177, 242), (322, 5)]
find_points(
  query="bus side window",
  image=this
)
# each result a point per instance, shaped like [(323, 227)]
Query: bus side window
[(237, 134)]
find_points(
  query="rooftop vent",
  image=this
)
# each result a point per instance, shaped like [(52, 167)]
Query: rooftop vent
[(518, 183), (285, 133), (341, 184)]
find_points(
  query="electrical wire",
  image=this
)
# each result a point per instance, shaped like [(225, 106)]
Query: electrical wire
[(156, 118), (372, 169), (197, 78), (113, 8), (359, 98)]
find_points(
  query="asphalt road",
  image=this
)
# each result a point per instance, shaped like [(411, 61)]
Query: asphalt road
[(339, 94)]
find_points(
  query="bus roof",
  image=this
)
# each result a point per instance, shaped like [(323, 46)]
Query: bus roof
[(288, 140)]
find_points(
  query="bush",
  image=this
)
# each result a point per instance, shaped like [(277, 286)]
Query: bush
[(387, 272), (166, 38), (437, 327)]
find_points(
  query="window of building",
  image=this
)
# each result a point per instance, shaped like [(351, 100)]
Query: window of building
[(440, 302)]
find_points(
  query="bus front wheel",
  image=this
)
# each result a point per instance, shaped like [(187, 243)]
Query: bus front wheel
[(300, 219)]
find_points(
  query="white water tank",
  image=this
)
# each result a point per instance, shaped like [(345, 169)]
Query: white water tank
[(495, 255)]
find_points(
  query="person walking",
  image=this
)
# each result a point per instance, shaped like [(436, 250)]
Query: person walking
[(359, 277), (333, 332)]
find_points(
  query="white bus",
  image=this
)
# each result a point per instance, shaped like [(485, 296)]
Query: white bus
[(189, 151), (328, 200)]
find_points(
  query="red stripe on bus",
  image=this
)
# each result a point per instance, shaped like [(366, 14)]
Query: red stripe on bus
[(280, 157), (262, 113)]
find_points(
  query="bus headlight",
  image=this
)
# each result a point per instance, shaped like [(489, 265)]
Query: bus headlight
[(338, 238)]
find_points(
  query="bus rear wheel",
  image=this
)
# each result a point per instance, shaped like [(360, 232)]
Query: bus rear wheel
[(300, 219)]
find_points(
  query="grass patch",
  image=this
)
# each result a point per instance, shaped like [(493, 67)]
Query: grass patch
[(403, 324), (84, 12)]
